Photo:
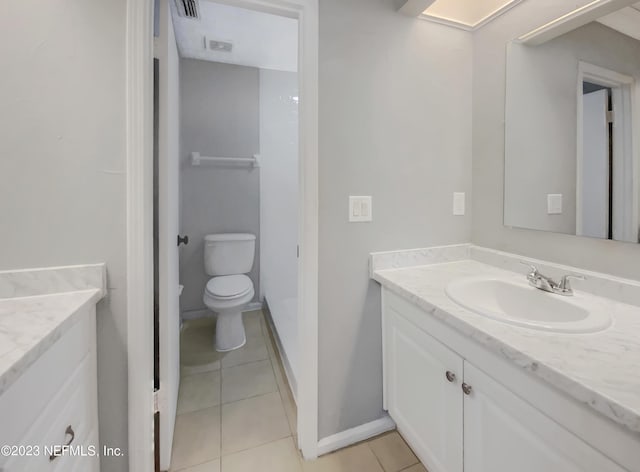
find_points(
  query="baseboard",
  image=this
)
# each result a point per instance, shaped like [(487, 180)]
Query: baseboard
[(288, 371), (355, 435), (196, 314), (253, 306), (206, 313)]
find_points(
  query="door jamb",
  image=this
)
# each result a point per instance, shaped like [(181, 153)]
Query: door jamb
[(139, 111), (139, 203)]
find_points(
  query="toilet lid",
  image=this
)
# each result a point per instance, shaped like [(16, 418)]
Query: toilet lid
[(229, 286)]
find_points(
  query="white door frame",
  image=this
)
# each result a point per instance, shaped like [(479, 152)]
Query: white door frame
[(139, 125), (625, 109)]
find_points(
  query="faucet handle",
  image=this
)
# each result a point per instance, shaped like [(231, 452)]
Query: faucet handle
[(534, 269), (565, 284)]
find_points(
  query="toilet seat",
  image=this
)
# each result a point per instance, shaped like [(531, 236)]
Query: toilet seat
[(229, 286)]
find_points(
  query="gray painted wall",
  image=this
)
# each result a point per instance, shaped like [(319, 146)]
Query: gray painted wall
[(622, 259), (220, 115), (62, 165), (541, 120), (395, 123)]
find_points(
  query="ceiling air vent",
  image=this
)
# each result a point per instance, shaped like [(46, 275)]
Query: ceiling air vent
[(188, 8), (220, 46)]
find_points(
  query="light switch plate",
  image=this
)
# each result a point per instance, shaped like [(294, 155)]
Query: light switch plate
[(360, 209), (458, 203), (554, 204)]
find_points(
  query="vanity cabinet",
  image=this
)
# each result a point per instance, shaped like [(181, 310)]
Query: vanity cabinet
[(458, 418), (424, 395), (54, 402)]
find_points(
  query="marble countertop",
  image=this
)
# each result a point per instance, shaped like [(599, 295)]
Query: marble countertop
[(37, 307), (600, 369)]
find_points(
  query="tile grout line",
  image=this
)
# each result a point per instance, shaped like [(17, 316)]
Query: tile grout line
[(273, 363), (244, 364), (196, 465), (249, 398), (375, 456), (290, 435), (253, 447)]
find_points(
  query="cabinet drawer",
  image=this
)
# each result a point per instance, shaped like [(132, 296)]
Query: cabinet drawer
[(75, 405), (25, 401)]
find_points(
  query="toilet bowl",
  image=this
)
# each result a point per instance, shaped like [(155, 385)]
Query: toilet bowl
[(228, 257), (226, 296)]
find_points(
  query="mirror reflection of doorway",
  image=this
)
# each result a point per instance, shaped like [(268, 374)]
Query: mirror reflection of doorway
[(597, 167), (606, 168)]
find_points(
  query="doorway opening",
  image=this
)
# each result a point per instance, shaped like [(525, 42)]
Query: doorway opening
[(607, 161), (234, 183)]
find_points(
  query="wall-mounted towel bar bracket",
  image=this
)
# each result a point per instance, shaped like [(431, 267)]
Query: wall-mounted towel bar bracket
[(198, 160)]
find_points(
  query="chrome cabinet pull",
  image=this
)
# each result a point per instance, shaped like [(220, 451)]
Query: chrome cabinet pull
[(451, 377), (68, 432), (466, 388)]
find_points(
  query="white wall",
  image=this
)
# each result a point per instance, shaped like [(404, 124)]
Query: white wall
[(169, 201), (395, 123), (62, 170), (279, 205), (542, 117), (489, 67), (219, 117)]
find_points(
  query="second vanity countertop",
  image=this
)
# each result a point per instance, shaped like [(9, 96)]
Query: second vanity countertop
[(599, 369), (37, 308)]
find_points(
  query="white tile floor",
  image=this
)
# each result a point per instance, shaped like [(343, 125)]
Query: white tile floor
[(236, 413)]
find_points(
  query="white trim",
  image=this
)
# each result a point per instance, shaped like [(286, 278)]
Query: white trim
[(635, 130), (253, 306), (414, 7), (307, 380), (139, 223), (355, 435), (206, 313), (624, 93), (139, 109), (572, 20), (385, 374), (468, 26), (291, 378), (196, 314), (446, 22)]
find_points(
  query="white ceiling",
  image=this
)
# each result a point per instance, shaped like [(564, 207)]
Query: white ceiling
[(259, 39), (627, 21), (468, 14)]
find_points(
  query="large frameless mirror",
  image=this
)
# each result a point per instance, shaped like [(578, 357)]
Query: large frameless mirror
[(572, 151)]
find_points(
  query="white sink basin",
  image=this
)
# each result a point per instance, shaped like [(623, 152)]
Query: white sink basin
[(522, 305)]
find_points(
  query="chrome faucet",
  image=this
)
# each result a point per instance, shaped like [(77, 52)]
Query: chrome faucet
[(542, 282)]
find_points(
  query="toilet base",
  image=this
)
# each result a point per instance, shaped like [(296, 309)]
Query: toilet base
[(230, 333)]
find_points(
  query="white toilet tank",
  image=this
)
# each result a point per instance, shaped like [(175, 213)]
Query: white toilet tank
[(229, 253)]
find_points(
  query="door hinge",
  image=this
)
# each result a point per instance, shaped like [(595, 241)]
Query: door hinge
[(156, 408), (156, 47), (610, 117), (298, 251)]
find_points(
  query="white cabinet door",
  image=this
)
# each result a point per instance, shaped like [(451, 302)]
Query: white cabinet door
[(425, 405), (503, 433)]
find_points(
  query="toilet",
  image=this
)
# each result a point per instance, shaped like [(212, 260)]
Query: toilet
[(227, 258)]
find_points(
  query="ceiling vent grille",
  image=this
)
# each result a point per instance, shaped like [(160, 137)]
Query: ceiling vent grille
[(188, 8), (220, 46)]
